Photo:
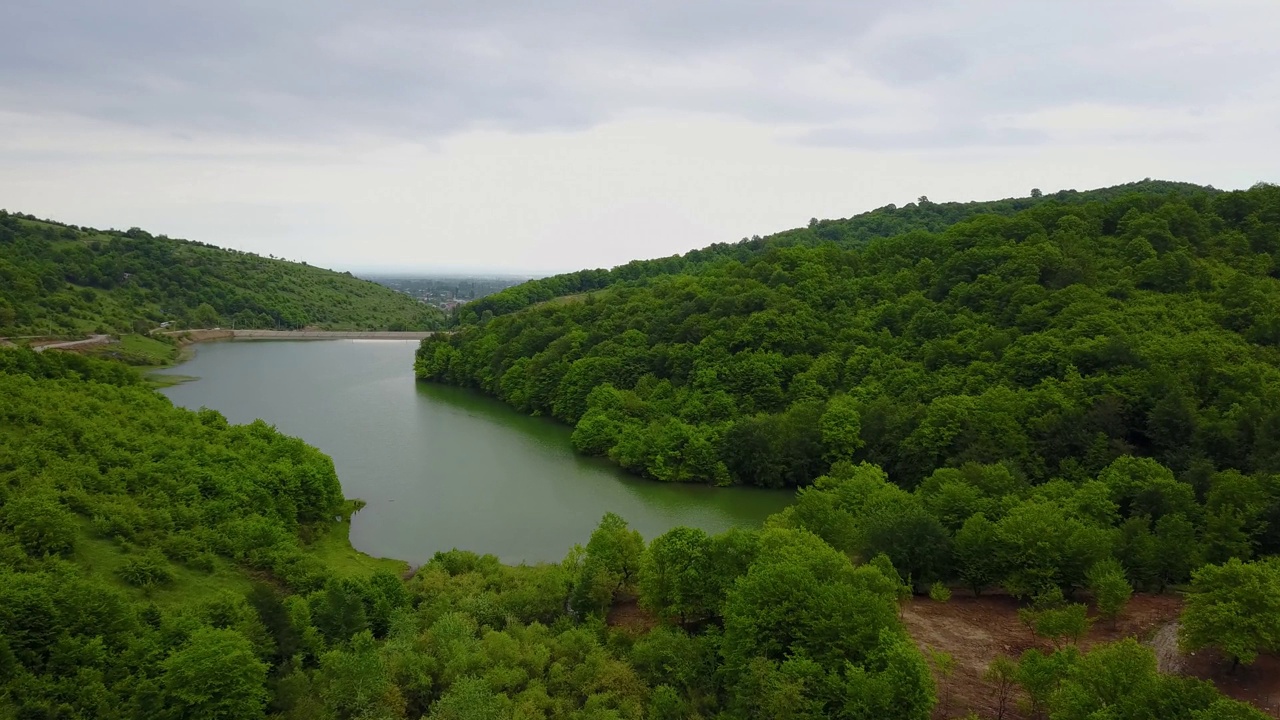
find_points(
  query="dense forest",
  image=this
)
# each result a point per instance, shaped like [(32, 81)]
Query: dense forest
[(1069, 401), (60, 279), (851, 232), (160, 563), (1053, 342)]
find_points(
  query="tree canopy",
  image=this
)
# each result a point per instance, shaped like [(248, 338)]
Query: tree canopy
[(1053, 340)]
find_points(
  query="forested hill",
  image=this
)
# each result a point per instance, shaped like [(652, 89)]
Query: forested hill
[(62, 279), (1053, 340), (850, 232)]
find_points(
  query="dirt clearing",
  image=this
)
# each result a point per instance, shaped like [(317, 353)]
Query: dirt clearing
[(976, 630)]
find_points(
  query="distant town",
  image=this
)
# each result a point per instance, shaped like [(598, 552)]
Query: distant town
[(448, 291)]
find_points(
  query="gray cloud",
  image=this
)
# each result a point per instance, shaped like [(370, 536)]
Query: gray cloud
[(936, 138), (423, 70), (412, 69)]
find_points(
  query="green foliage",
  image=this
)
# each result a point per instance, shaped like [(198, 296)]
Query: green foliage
[(145, 570), (338, 611), (216, 675), (1053, 340), (1040, 675), (109, 498), (1111, 591), (610, 564), (356, 681), (841, 428), (60, 279), (901, 585), (142, 350), (1121, 681), (469, 699), (939, 592), (944, 667), (685, 664), (805, 623), (1054, 618), (1003, 673), (977, 552), (65, 366), (1044, 548), (491, 593), (1234, 607), (676, 574), (40, 524)]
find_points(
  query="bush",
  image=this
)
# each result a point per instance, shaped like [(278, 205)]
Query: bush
[(1111, 591), (146, 570), (204, 562), (1054, 618), (182, 548), (41, 525), (939, 592)]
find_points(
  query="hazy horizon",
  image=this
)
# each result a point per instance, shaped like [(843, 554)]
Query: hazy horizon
[(460, 271)]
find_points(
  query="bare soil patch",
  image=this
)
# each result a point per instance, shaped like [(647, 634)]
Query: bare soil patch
[(975, 630), (626, 614), (1258, 684)]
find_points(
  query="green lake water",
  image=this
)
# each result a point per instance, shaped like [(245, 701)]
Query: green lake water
[(441, 467)]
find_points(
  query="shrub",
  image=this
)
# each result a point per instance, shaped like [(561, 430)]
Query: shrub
[(939, 592), (146, 570)]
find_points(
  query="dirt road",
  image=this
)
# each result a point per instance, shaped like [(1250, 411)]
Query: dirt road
[(73, 344)]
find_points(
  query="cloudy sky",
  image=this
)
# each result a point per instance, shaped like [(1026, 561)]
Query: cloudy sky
[(534, 137)]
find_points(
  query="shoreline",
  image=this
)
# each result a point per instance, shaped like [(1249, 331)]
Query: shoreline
[(185, 339)]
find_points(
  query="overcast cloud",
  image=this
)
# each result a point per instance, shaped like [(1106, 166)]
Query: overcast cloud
[(520, 136)]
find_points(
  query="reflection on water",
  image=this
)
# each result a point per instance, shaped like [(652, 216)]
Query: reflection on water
[(440, 466)]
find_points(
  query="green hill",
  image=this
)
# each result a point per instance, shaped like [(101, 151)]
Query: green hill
[(1054, 339), (60, 279), (1070, 396), (850, 232)]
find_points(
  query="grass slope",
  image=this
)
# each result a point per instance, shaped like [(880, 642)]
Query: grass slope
[(138, 350)]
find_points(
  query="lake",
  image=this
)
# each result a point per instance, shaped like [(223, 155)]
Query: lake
[(443, 467)]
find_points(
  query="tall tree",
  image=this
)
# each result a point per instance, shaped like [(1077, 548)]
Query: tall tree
[(215, 675), (1234, 607)]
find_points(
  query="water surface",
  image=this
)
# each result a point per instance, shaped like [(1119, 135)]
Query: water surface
[(442, 467)]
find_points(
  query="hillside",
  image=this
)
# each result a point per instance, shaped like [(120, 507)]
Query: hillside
[(1053, 340), (157, 562), (59, 279), (850, 232), (1064, 404)]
